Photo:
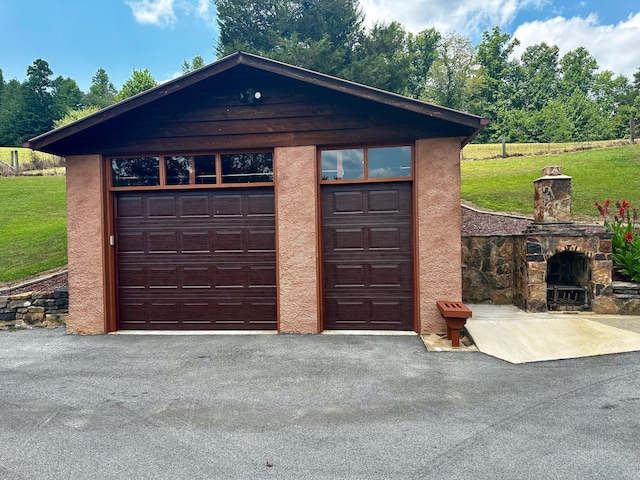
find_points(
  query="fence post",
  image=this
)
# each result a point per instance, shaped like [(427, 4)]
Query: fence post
[(632, 128), (504, 145), (17, 165)]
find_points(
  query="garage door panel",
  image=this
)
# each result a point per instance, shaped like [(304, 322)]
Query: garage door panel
[(260, 205), (131, 206), (162, 206), (131, 242), (367, 256), (164, 277), (195, 271), (346, 239), (229, 205), (195, 242), (162, 242), (384, 238), (384, 201), (196, 277), (228, 241), (262, 240), (261, 277), (194, 206), (387, 275), (348, 276)]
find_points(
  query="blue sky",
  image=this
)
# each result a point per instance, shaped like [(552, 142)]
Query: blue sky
[(76, 37)]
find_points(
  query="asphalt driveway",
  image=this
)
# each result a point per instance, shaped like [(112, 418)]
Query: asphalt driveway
[(307, 407)]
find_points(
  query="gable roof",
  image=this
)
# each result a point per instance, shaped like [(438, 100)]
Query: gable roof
[(61, 140)]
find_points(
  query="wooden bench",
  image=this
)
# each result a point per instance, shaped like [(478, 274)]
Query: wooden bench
[(455, 314)]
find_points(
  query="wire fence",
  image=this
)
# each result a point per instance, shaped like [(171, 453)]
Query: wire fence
[(475, 151)]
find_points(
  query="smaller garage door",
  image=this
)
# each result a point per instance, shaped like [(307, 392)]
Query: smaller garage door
[(367, 247), (201, 259)]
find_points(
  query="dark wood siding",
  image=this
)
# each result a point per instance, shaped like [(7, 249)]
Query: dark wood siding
[(196, 260), (367, 248), (291, 112)]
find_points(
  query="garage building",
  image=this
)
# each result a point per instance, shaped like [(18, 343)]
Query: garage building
[(255, 195)]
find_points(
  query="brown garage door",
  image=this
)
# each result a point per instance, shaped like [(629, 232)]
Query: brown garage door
[(368, 273), (196, 260)]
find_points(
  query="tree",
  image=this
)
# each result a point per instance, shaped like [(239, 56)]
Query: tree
[(578, 71), (140, 81), (319, 35), (1, 86), (11, 107), (196, 63), (66, 96), (382, 59), (450, 74), (539, 76), (587, 122), (423, 52), (494, 84), (38, 111), (74, 115), (101, 93)]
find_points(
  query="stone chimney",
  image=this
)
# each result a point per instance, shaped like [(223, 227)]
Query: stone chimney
[(552, 196)]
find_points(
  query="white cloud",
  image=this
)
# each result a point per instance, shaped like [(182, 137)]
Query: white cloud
[(162, 13), (615, 47), (154, 12), (469, 17)]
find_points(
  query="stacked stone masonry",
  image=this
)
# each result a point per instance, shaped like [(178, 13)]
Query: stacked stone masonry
[(512, 270), (34, 309)]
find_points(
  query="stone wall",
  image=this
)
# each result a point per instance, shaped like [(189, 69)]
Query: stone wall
[(619, 298), (512, 270), (488, 269), (34, 309)]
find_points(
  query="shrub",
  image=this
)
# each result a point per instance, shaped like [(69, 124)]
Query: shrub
[(625, 239)]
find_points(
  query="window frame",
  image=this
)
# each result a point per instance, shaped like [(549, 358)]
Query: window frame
[(192, 174), (365, 165)]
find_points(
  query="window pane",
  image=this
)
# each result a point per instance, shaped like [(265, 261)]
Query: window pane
[(205, 168), (389, 162), (343, 164), (135, 172), (178, 170), (247, 167)]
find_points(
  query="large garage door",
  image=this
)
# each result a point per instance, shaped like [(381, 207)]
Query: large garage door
[(202, 259), (368, 273)]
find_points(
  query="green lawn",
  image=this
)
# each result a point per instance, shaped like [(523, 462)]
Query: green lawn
[(507, 184), (33, 228)]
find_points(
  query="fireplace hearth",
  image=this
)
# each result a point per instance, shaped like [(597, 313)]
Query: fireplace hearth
[(559, 265)]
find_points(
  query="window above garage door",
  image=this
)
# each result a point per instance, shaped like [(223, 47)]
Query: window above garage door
[(175, 171), (366, 164)]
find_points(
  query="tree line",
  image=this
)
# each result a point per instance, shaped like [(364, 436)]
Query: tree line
[(40, 103), (539, 96)]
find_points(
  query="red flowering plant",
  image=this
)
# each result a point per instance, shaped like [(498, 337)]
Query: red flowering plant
[(625, 241)]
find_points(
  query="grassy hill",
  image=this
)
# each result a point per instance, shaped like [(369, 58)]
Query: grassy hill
[(33, 209), (33, 229), (506, 184)]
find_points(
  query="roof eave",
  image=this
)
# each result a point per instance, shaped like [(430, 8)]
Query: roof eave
[(274, 66)]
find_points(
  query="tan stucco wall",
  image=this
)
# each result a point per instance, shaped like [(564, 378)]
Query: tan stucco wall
[(84, 236), (297, 244), (437, 187)]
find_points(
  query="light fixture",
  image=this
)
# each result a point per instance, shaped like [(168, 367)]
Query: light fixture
[(250, 96)]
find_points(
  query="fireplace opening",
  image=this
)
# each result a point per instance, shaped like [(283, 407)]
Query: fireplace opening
[(568, 277)]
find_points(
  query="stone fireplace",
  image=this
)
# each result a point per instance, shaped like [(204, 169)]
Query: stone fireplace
[(559, 265)]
